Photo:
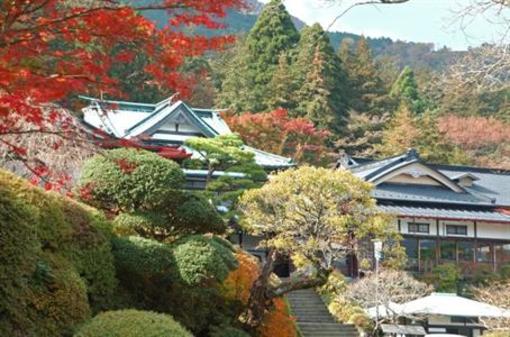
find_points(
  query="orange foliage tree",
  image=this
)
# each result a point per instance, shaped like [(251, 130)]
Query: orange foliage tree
[(277, 132), (52, 50), (237, 285), (278, 322)]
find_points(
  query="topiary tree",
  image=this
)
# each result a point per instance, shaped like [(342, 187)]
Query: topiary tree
[(128, 179), (313, 215), (446, 278), (132, 323), (183, 214), (200, 260)]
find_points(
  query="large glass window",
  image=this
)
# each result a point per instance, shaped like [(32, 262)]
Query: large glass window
[(448, 251), (484, 253), (465, 251), (427, 255)]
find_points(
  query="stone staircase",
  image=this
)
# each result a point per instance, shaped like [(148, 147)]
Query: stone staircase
[(313, 317)]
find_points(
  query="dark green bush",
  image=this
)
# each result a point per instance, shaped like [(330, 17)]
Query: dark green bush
[(55, 261), (227, 331), (128, 179), (201, 259), (446, 277), (132, 323)]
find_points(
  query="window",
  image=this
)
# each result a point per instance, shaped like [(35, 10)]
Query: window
[(448, 251), (456, 230), (464, 320), (414, 227), (466, 251)]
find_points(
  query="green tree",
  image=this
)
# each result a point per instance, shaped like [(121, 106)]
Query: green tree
[(273, 34), (227, 153), (400, 134), (315, 97), (367, 92), (321, 80), (405, 89), (128, 180), (305, 214), (282, 86)]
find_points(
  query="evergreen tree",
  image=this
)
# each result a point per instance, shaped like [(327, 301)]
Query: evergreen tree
[(405, 89), (400, 134), (315, 96), (282, 86), (246, 86), (368, 94), (318, 69)]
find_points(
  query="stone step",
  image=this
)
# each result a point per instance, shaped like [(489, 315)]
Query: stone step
[(313, 317)]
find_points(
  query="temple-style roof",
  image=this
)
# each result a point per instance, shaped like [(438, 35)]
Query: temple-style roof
[(446, 214), (409, 179), (165, 123)]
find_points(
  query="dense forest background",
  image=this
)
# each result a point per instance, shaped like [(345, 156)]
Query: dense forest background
[(374, 96)]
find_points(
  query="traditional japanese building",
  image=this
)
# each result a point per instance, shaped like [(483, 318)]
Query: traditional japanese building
[(446, 214), (164, 127)]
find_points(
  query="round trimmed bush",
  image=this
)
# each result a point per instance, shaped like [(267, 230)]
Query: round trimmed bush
[(200, 259), (148, 224), (128, 179), (132, 323)]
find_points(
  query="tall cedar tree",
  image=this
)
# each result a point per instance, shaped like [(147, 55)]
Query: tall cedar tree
[(246, 86), (318, 70), (405, 89), (282, 86), (367, 92), (316, 96)]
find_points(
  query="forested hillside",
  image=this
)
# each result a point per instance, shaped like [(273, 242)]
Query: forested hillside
[(415, 54)]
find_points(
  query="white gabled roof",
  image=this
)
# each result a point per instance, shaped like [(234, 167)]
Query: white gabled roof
[(444, 304)]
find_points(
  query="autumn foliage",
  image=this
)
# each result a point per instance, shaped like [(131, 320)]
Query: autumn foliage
[(278, 322), (277, 132), (55, 49), (238, 284)]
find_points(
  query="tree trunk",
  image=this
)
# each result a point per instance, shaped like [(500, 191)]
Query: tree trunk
[(262, 293), (259, 301)]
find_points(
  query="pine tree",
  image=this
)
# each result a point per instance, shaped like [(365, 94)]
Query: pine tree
[(246, 86), (282, 86), (405, 89), (317, 65), (400, 134), (315, 96), (367, 91)]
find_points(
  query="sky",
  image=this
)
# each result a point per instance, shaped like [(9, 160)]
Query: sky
[(417, 21)]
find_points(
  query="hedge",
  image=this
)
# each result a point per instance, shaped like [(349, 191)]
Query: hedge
[(128, 179), (132, 323), (56, 261)]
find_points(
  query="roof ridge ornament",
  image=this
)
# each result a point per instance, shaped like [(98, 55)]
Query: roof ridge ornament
[(412, 153)]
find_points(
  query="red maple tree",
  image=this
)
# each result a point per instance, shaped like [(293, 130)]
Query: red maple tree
[(51, 50), (278, 133)]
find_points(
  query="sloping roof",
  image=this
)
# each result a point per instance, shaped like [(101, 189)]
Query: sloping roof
[(130, 120), (446, 304), (489, 188), (442, 304), (446, 214)]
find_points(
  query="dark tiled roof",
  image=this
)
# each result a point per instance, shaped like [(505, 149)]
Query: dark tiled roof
[(447, 214), (489, 188)]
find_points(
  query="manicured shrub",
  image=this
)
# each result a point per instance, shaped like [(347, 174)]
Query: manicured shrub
[(56, 263), (200, 259), (132, 323), (128, 179), (227, 331), (180, 214)]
